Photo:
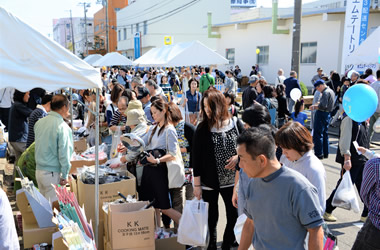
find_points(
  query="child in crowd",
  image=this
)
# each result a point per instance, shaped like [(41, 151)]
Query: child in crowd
[(298, 115)]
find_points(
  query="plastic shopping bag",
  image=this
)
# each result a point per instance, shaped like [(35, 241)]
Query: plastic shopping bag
[(238, 229), (115, 142), (345, 196), (193, 226)]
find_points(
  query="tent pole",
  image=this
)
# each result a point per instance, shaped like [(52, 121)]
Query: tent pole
[(97, 168), (71, 107)]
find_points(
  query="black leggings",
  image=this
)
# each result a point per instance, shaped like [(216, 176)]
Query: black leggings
[(212, 197)]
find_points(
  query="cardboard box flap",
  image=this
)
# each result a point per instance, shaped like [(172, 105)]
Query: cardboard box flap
[(41, 207), (127, 207)]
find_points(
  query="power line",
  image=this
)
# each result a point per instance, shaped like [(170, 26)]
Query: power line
[(163, 3), (169, 13)]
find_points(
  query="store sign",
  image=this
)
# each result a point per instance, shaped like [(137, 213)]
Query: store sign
[(137, 45), (168, 40), (355, 27)]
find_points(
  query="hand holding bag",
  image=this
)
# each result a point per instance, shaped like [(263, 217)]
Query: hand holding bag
[(176, 169), (193, 225), (345, 196)]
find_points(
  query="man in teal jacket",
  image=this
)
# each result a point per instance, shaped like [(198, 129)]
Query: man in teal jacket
[(54, 147), (206, 81)]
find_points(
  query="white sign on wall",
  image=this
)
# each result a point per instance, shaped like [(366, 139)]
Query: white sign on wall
[(355, 27)]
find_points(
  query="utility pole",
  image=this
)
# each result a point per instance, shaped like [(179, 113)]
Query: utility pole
[(72, 32), (107, 35), (295, 65), (85, 6)]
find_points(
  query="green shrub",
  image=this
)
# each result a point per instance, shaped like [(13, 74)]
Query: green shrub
[(304, 90)]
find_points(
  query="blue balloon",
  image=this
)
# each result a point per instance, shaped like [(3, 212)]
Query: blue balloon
[(360, 102)]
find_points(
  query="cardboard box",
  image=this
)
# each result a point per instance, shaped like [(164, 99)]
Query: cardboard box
[(131, 228), (80, 146), (169, 243), (107, 193), (33, 234), (81, 163), (34, 209)]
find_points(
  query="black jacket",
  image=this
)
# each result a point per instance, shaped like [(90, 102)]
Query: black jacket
[(189, 135), (203, 157), (18, 123)]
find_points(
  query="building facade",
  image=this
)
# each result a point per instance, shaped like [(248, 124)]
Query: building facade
[(321, 42), (181, 20), (109, 10), (63, 35)]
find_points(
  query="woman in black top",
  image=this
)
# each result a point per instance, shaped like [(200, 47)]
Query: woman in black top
[(282, 110), (214, 159)]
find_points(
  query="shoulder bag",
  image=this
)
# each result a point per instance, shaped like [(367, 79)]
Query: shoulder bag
[(176, 170)]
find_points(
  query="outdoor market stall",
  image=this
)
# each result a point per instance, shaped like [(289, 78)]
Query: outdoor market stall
[(29, 60)]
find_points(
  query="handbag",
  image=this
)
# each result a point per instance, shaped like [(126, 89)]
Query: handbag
[(176, 170)]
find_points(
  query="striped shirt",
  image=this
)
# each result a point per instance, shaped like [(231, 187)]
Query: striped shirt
[(370, 190), (37, 114), (117, 118)]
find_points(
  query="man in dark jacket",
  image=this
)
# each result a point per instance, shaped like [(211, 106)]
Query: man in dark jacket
[(250, 93), (291, 83)]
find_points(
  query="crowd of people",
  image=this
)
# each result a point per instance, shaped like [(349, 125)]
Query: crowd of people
[(245, 153)]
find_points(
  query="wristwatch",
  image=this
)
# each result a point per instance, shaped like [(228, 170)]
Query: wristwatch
[(158, 161)]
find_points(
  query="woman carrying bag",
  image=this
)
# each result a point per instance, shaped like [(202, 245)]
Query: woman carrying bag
[(214, 147), (154, 180)]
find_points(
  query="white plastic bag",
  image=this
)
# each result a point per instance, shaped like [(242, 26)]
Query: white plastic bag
[(115, 143), (345, 196), (238, 229), (193, 225)]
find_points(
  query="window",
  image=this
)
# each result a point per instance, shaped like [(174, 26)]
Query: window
[(117, 9), (96, 28), (230, 55), (119, 35), (125, 33), (309, 52), (67, 25), (131, 28), (89, 24), (263, 56), (137, 27), (102, 26), (145, 27), (68, 37)]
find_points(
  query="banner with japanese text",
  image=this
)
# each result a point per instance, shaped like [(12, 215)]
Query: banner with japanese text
[(355, 28)]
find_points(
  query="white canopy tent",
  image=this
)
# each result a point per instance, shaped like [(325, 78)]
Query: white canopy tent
[(366, 55), (92, 58), (113, 58), (30, 60), (181, 54)]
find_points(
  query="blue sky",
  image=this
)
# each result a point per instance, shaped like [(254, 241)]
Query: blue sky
[(40, 13)]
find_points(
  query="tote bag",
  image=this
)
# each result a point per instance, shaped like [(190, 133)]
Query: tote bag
[(176, 170)]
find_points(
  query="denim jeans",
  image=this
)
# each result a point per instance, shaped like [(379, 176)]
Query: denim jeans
[(368, 237), (320, 135), (290, 103)]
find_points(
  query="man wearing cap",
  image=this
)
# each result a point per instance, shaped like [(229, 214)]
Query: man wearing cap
[(144, 97), (40, 112), (250, 93), (78, 110), (318, 76), (321, 119)]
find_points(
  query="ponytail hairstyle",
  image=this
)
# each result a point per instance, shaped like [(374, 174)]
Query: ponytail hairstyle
[(162, 106), (297, 107)]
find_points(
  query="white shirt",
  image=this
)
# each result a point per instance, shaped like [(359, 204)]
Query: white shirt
[(280, 79), (6, 97), (8, 234), (312, 168)]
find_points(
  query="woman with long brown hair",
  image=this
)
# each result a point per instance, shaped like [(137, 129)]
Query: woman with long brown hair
[(214, 146), (154, 180)]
